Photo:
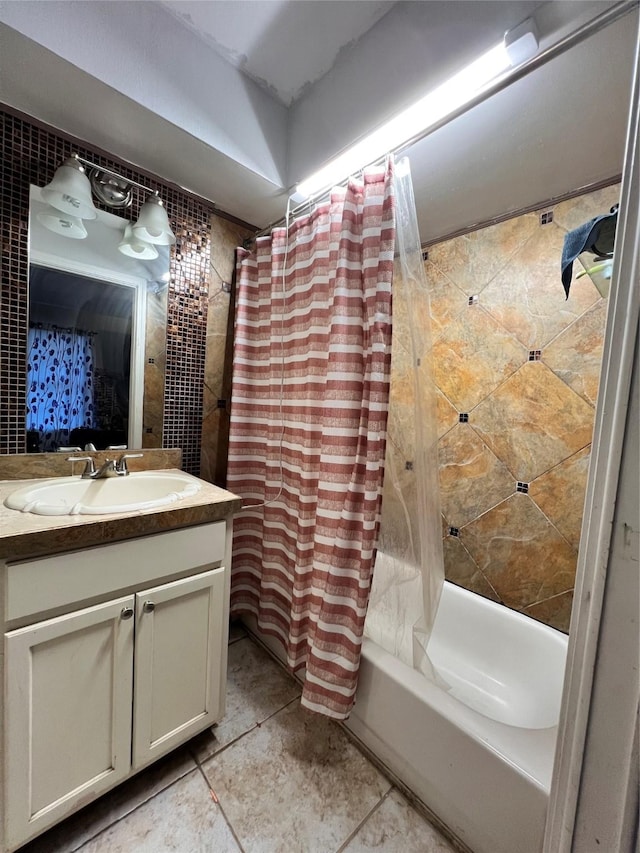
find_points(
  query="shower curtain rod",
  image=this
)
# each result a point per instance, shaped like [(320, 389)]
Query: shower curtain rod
[(590, 28)]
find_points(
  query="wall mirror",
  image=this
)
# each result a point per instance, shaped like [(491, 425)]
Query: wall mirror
[(89, 312)]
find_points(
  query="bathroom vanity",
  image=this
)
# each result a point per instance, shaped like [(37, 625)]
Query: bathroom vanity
[(114, 652)]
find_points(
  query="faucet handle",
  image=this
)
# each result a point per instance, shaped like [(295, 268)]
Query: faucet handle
[(90, 467), (121, 464)]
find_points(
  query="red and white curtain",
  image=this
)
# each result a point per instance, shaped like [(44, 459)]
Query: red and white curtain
[(308, 420)]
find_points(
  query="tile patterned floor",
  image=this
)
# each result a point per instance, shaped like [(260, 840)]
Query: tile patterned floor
[(285, 781)]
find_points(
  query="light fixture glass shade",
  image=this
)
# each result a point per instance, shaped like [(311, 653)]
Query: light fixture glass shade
[(132, 246), (153, 223), (70, 191), (62, 223)]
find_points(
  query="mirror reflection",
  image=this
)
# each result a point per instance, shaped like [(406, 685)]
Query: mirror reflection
[(86, 340)]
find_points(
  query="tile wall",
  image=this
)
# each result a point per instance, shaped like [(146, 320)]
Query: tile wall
[(179, 327), (517, 370)]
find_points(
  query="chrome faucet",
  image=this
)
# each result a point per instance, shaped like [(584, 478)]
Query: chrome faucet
[(109, 468)]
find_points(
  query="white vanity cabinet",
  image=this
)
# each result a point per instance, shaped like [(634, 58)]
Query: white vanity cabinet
[(121, 657)]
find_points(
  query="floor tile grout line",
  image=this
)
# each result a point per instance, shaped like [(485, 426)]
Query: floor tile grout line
[(222, 811), (371, 812), (235, 740), (139, 805)]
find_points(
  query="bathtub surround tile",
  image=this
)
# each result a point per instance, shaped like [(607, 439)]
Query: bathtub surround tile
[(256, 688), (472, 478), (472, 260), (554, 611), (534, 421), (560, 494), (80, 828), (446, 299), (300, 758), (447, 414), (196, 823), (520, 552), (576, 211), (465, 369), (460, 568), (396, 826), (527, 297), (576, 354)]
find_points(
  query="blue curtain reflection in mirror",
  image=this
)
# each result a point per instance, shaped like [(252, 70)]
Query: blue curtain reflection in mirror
[(60, 384), (78, 361)]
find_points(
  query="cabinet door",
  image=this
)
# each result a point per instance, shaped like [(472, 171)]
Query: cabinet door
[(68, 713), (178, 663)]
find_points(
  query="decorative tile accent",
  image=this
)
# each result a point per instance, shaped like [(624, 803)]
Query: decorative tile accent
[(535, 355), (454, 531), (460, 568), (527, 297), (466, 370), (473, 300), (408, 466), (520, 552), (471, 261), (560, 494), (425, 256), (546, 218), (523, 488), (472, 479), (576, 355), (533, 421), (555, 611), (463, 418)]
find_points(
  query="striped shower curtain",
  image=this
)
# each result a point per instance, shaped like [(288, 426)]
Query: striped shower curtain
[(308, 418)]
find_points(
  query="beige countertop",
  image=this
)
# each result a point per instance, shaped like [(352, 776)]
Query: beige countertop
[(23, 534)]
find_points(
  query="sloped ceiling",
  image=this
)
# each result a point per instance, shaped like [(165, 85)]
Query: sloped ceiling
[(236, 101)]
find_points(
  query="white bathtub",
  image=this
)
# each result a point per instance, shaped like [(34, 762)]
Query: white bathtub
[(478, 751)]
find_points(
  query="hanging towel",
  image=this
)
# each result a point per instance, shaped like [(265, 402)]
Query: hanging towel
[(595, 236)]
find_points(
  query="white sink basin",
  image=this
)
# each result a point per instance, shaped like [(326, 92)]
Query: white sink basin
[(74, 496)]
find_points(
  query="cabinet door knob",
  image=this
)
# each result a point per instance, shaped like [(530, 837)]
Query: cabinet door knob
[(148, 607), (126, 613)]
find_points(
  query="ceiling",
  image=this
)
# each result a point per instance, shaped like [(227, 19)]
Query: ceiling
[(237, 101), (283, 45)]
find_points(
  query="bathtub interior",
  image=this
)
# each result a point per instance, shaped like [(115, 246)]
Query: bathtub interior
[(496, 661)]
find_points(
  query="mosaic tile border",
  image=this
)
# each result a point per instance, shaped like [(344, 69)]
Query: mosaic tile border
[(30, 154)]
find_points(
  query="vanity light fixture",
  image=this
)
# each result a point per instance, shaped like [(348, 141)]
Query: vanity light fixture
[(63, 223), (134, 247), (70, 190), (70, 193), (517, 46), (153, 223)]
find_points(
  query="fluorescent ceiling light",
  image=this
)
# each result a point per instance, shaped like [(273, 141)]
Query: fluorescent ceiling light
[(447, 98)]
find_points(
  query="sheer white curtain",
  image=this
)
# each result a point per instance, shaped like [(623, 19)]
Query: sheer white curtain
[(409, 569)]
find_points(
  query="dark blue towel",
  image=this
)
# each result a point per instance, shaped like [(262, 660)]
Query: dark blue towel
[(584, 238)]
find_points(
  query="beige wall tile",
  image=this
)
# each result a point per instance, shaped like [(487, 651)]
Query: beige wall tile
[(554, 611), (560, 494), (471, 261), (576, 354), (520, 552), (472, 478), (466, 367), (527, 296), (460, 568), (534, 421)]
